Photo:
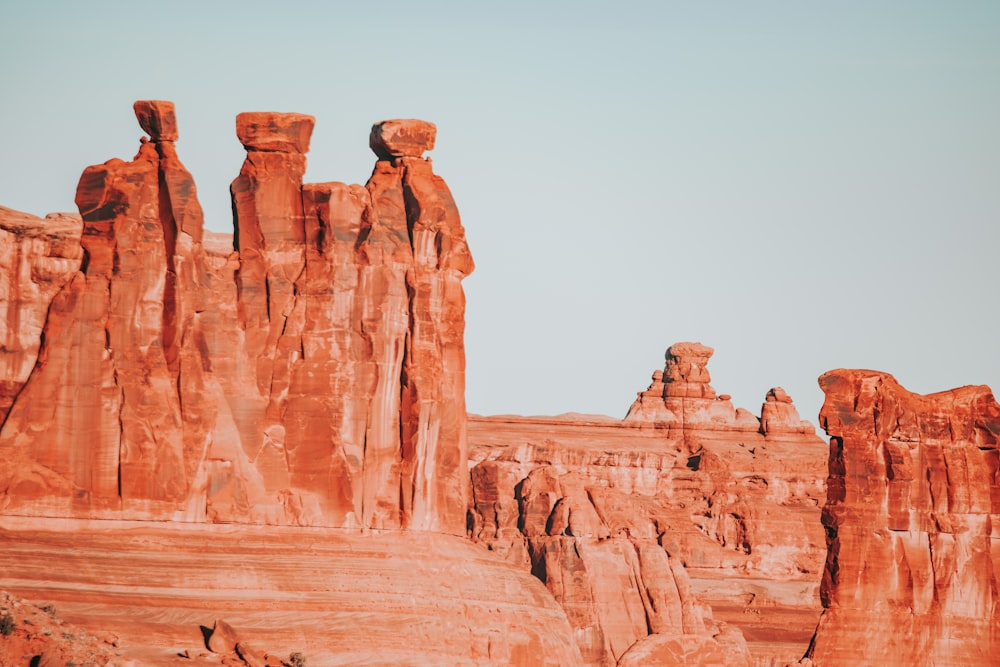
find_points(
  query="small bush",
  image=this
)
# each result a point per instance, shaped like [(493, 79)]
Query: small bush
[(6, 625), (297, 660)]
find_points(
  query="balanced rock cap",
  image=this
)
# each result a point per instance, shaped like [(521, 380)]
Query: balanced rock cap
[(275, 132), (402, 138), (689, 350), (157, 119)]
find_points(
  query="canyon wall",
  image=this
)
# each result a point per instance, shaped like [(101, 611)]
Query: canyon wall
[(690, 523), (313, 374), (913, 525)]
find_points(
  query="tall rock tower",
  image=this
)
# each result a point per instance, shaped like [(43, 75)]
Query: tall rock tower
[(313, 375)]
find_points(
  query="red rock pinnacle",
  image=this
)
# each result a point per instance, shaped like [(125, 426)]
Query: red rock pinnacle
[(680, 395), (317, 377)]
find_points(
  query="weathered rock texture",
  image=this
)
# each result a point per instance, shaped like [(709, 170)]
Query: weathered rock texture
[(336, 596), (37, 257), (635, 525), (30, 635), (308, 371), (311, 375), (911, 521)]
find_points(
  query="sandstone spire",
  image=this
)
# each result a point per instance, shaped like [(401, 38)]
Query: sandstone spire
[(680, 396), (314, 376)]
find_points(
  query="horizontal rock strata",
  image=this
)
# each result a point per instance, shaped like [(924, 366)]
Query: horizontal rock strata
[(336, 596)]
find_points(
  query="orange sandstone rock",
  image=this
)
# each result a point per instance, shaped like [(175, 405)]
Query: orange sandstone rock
[(392, 139), (913, 501), (33, 635), (157, 119), (37, 257), (636, 526), (336, 596), (310, 373), (680, 397), (224, 637), (778, 415), (275, 132)]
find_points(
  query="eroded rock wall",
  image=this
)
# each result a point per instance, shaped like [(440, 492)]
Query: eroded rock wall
[(310, 373), (37, 257), (675, 528), (911, 522)]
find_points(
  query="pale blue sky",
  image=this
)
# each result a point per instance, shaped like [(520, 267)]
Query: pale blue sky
[(800, 185)]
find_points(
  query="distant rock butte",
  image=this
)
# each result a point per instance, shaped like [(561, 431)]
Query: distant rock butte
[(912, 521)]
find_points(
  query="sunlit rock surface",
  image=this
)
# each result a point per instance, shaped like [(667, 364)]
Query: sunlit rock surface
[(337, 596), (687, 521), (308, 371), (911, 522), (269, 428), (37, 257)]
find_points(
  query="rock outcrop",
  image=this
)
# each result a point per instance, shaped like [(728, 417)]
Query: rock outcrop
[(313, 374), (338, 597), (33, 635), (227, 400), (680, 397), (37, 257), (668, 530), (911, 519)]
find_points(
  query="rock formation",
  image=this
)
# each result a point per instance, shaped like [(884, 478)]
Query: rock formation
[(311, 375), (336, 596), (33, 635), (913, 503), (228, 400), (37, 257), (680, 397), (635, 525)]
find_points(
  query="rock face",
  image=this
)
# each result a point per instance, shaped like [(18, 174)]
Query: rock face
[(37, 257), (313, 374), (211, 397), (911, 521), (30, 635), (662, 533), (336, 596)]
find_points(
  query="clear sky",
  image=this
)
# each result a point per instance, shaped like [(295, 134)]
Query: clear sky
[(801, 185)]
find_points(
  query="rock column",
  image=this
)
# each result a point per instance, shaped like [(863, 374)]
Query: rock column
[(913, 499)]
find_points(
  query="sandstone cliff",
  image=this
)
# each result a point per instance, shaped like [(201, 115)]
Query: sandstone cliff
[(911, 521), (307, 371), (37, 257), (311, 375)]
